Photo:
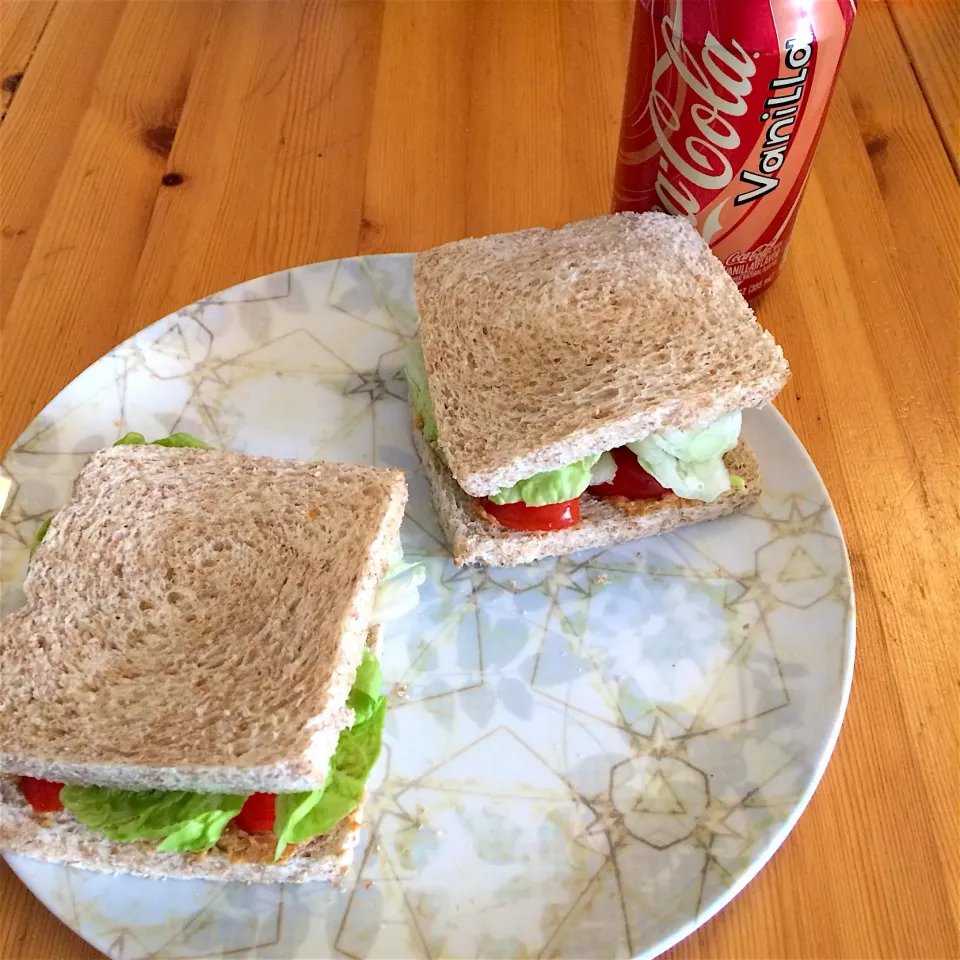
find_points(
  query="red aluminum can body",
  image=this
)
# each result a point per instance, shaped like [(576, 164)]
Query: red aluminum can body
[(724, 105)]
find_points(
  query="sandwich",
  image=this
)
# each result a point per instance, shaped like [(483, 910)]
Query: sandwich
[(585, 386), (192, 688)]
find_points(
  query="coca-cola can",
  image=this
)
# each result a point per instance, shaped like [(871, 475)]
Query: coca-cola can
[(724, 106)]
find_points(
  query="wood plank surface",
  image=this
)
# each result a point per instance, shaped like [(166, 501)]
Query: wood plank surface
[(22, 23), (155, 152), (930, 33)]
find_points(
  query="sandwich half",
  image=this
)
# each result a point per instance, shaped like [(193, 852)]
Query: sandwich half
[(192, 688), (584, 386)]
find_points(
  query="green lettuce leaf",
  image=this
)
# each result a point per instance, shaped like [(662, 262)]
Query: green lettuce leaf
[(365, 694), (552, 486), (199, 834), (416, 373), (184, 821), (301, 816), (398, 564), (131, 438), (181, 440), (398, 592), (174, 440), (690, 462), (41, 532), (604, 470)]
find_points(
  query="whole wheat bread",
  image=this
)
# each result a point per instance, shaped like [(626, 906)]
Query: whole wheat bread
[(543, 346), (194, 620), (475, 540), (237, 856)]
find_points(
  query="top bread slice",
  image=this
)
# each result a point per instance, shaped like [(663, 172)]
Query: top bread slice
[(544, 346), (194, 621)]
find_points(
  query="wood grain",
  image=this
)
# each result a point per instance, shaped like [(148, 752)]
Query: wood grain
[(930, 32), (21, 26), (38, 132), (289, 113), (307, 130)]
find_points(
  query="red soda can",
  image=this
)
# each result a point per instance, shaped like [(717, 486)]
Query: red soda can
[(724, 106)]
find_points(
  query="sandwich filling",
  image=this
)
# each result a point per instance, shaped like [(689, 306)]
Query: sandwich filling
[(183, 821), (688, 463)]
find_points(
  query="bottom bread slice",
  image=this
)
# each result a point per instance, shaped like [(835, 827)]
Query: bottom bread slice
[(602, 522), (238, 856)]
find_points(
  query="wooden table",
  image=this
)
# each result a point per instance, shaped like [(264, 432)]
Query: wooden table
[(153, 152)]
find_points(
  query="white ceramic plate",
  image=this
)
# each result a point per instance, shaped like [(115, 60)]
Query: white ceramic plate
[(584, 758)]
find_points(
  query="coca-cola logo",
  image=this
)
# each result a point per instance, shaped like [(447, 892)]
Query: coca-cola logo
[(720, 84)]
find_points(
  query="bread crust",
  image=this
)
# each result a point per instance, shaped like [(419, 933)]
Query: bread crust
[(544, 346)]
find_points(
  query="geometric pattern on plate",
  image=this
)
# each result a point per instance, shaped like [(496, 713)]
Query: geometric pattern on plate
[(586, 757)]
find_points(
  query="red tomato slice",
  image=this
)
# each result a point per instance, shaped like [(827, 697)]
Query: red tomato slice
[(630, 481), (518, 516), (42, 795), (257, 813)]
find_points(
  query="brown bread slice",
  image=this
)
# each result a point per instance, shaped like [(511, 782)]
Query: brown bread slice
[(194, 621), (475, 540), (543, 346)]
